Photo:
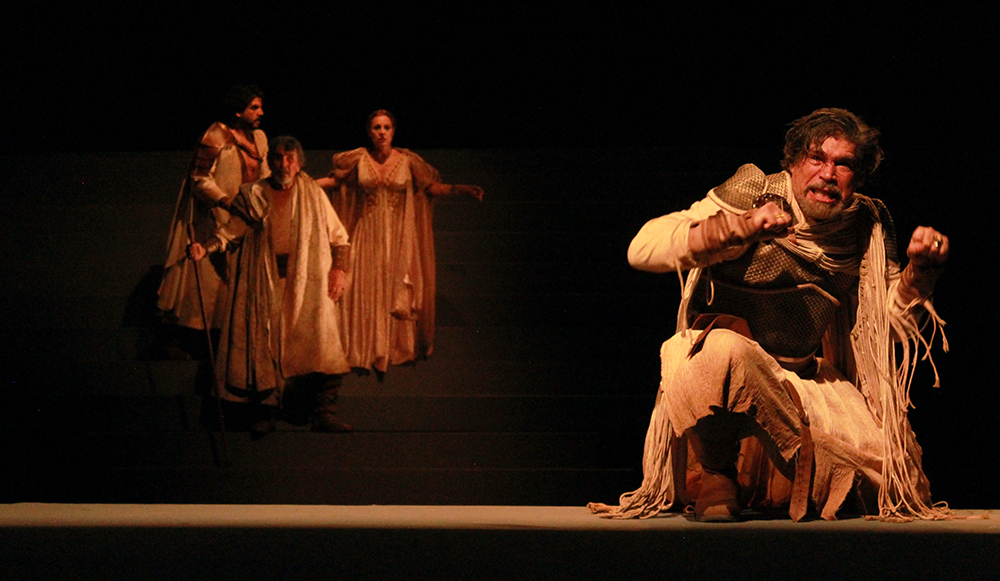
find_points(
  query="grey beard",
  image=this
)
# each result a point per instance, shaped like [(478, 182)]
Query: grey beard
[(285, 181), (819, 211)]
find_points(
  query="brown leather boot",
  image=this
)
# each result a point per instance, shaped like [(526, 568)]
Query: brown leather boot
[(264, 423), (717, 501), (716, 443), (324, 416)]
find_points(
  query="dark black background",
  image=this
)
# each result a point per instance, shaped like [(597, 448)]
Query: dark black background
[(468, 75), (459, 76), (483, 76)]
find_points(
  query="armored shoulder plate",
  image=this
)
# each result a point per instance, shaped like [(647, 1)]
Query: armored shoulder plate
[(217, 136), (749, 188), (211, 144)]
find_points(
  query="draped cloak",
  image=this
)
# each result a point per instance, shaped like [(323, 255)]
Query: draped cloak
[(274, 329), (216, 173)]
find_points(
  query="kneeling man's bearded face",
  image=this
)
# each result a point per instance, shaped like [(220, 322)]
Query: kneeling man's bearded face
[(823, 178)]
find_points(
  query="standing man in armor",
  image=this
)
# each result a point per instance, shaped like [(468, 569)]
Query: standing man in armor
[(786, 385), (228, 155)]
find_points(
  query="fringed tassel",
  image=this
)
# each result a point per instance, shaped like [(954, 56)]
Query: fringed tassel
[(664, 454), (886, 388), (687, 291), (658, 490), (910, 332)]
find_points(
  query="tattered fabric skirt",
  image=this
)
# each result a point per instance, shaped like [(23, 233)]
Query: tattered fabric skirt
[(735, 374)]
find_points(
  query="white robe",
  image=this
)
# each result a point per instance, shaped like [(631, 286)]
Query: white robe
[(275, 329)]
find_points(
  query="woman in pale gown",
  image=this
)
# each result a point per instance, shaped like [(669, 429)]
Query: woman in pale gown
[(384, 196)]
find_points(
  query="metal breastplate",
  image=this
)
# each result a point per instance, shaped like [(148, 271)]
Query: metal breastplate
[(788, 302)]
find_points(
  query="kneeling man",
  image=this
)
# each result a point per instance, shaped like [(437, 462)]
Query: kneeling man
[(785, 388)]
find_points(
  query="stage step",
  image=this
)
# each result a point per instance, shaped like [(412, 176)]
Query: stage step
[(131, 414), (297, 466), (538, 392)]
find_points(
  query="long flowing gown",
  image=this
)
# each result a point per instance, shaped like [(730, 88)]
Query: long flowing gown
[(387, 312)]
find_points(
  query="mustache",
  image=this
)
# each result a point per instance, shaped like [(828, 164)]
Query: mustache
[(283, 178), (826, 189)]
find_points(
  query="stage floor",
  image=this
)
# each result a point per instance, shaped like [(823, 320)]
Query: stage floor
[(555, 518), (210, 542)]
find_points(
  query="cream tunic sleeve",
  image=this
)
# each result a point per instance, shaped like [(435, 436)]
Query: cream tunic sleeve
[(662, 243)]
